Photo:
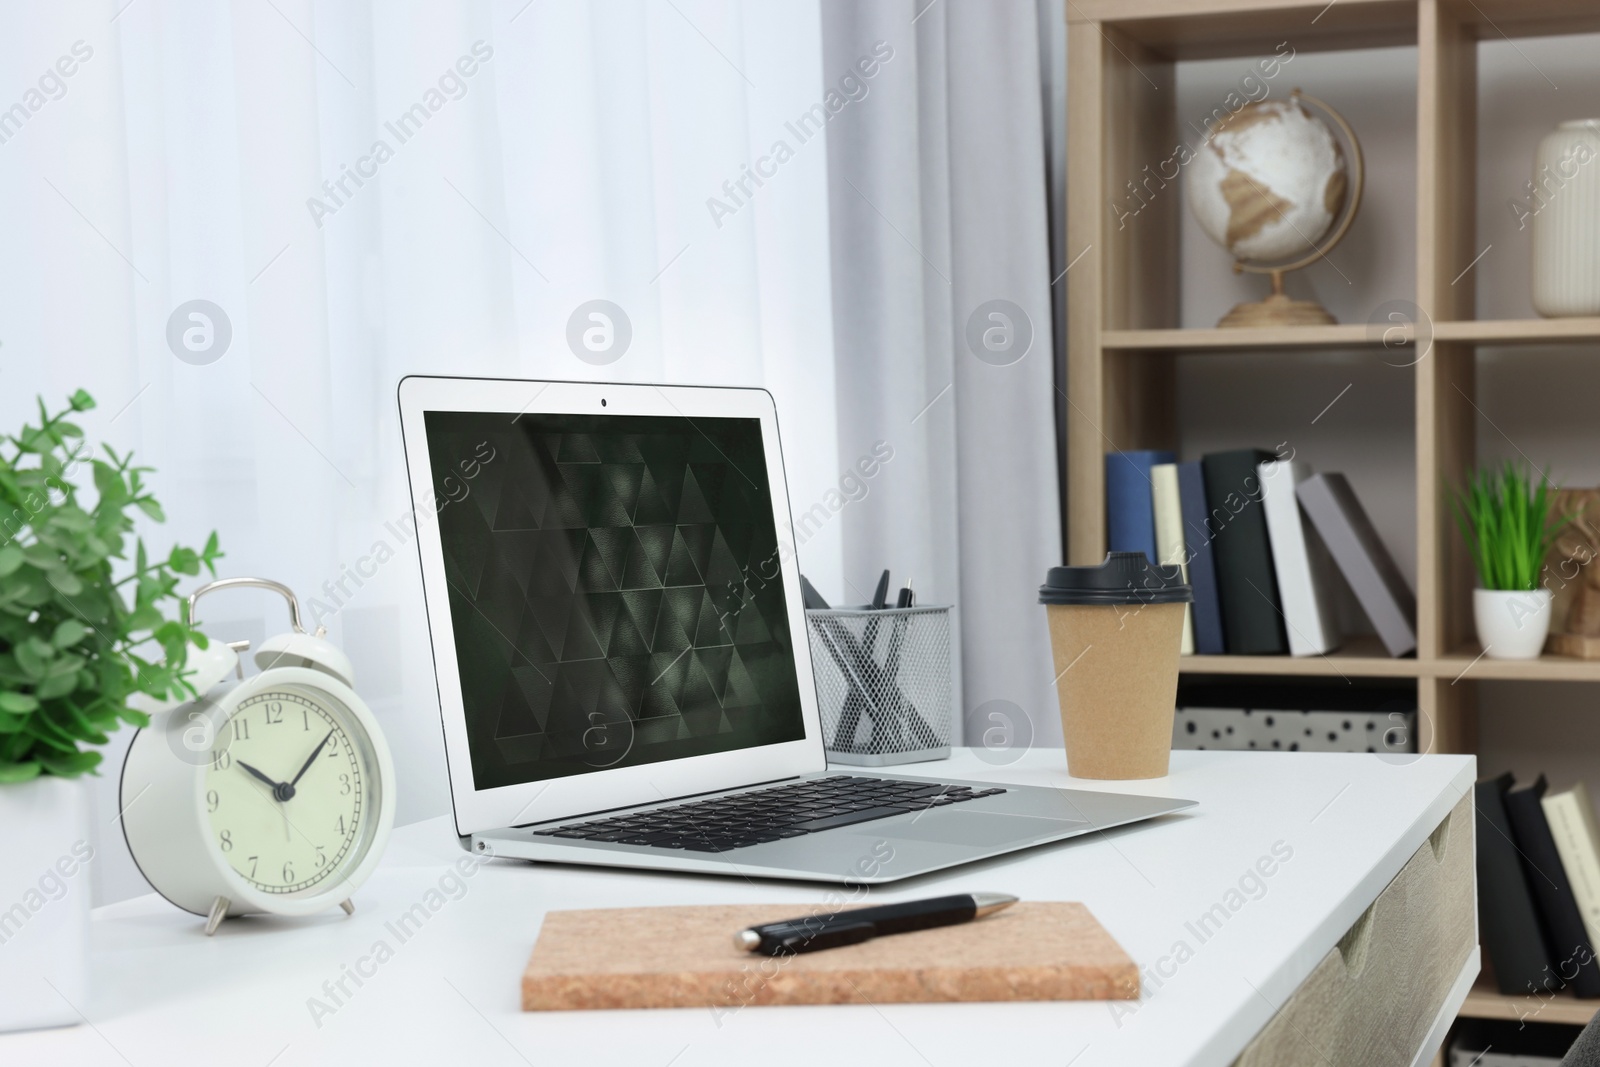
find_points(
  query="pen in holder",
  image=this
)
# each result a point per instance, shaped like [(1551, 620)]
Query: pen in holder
[(883, 683)]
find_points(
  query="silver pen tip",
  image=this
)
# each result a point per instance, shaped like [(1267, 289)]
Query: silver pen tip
[(748, 940), (989, 903)]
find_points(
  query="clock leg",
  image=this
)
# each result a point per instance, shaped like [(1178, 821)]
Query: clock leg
[(219, 911), (348, 906)]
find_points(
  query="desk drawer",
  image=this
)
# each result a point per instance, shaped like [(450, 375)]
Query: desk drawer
[(1373, 999)]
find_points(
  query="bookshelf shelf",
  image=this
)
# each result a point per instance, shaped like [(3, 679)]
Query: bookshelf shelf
[(1466, 663), (1519, 331), (1486, 1002), (1361, 656), (1354, 335)]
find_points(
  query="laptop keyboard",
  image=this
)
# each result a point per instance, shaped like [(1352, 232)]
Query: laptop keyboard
[(722, 824)]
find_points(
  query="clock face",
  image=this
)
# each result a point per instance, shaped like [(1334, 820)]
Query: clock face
[(290, 790)]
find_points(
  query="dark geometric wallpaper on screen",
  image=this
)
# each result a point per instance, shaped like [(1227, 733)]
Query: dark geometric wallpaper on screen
[(606, 590)]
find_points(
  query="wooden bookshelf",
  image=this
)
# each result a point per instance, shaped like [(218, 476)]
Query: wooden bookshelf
[(1361, 656), (1487, 1002), (1291, 337), (1124, 339)]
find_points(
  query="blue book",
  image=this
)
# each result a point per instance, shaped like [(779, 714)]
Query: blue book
[(1130, 512), (1197, 535)]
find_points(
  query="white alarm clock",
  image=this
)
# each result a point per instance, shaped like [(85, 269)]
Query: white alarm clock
[(273, 793)]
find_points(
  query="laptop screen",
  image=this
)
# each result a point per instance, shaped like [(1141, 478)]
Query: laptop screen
[(614, 590)]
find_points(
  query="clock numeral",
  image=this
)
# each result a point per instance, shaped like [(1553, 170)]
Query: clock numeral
[(212, 800), (227, 840), (322, 861), (332, 747), (344, 782), (274, 714), (288, 874), (241, 728), (340, 828), (221, 760), (253, 861)]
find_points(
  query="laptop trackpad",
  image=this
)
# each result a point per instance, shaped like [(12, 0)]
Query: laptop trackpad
[(980, 828)]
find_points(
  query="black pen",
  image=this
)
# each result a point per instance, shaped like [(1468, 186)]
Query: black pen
[(815, 932)]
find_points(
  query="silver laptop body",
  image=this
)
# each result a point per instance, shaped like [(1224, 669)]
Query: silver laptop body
[(624, 680)]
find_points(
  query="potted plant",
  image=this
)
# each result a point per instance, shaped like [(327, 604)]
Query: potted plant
[(1504, 515), (77, 641)]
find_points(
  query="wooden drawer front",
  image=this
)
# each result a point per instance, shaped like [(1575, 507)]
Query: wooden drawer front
[(1373, 999)]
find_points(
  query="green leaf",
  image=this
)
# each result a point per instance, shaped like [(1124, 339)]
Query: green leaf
[(68, 633), (151, 508), (11, 557), (65, 582), (30, 661), (72, 766), (81, 401), (12, 773), (20, 703), (57, 686), (184, 561)]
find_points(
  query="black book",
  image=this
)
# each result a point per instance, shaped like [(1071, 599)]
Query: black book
[(1571, 955), (1507, 921), (1247, 584)]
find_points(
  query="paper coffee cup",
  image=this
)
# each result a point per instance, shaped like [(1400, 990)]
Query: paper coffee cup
[(1116, 631)]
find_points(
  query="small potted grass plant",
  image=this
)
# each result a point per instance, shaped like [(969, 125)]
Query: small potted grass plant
[(84, 629), (1504, 514)]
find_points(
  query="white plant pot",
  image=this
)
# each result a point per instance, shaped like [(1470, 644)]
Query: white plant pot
[(44, 902), (1512, 623)]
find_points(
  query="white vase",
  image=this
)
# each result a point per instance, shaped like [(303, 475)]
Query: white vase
[(1512, 623), (1564, 203), (44, 902)]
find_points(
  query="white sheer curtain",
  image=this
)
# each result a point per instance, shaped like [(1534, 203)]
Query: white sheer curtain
[(573, 163), (365, 190), (940, 251)]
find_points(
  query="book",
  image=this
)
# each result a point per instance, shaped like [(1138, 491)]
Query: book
[(1571, 948), (1206, 611), (1379, 586), (1170, 547), (1130, 512), (1300, 561), (1507, 921), (1572, 825), (1252, 613)]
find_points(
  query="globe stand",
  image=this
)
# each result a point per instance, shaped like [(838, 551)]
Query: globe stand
[(1278, 309)]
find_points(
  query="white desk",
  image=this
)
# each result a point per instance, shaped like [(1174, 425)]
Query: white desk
[(164, 994)]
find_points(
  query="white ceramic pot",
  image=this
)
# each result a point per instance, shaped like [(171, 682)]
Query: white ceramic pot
[(1512, 623), (44, 902), (1563, 208)]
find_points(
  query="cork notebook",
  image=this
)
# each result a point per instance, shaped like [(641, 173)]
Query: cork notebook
[(684, 957)]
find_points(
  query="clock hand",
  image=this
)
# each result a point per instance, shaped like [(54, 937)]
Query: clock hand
[(258, 774), (309, 759)]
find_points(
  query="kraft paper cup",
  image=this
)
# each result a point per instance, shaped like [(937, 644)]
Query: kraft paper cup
[(1116, 631)]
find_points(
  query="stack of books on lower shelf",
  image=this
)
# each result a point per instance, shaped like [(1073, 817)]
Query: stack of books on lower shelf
[(1260, 538), (1539, 888)]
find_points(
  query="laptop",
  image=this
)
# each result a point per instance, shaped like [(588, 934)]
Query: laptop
[(624, 676)]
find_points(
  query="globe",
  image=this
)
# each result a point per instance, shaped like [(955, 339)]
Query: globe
[(1269, 183)]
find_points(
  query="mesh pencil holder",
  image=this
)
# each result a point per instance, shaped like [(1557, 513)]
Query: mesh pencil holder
[(883, 683)]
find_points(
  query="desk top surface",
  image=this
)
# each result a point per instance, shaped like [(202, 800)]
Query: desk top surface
[(1333, 830)]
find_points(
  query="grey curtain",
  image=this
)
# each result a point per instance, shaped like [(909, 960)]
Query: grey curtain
[(942, 330)]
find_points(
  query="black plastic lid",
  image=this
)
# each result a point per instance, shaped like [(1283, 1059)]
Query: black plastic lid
[(1124, 578)]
